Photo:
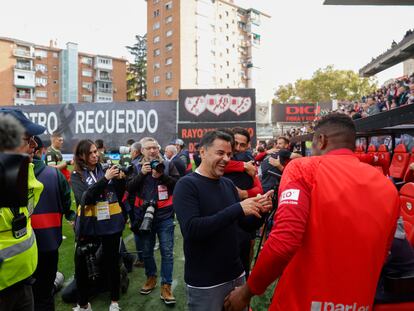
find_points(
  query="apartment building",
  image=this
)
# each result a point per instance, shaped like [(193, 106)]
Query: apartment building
[(198, 44), (34, 74)]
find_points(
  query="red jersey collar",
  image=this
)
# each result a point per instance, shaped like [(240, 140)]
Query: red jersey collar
[(341, 151)]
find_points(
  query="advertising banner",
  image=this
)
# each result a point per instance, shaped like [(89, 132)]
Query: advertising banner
[(191, 133), (217, 105), (114, 123), (298, 113)]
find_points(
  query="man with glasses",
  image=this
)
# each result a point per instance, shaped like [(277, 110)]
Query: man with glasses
[(18, 249), (153, 186)]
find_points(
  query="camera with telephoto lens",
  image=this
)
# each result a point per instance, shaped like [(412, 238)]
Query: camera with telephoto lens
[(157, 166), (149, 208), (127, 169), (88, 251)]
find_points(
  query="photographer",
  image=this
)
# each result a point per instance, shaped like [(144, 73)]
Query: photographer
[(18, 249), (99, 220), (154, 214)]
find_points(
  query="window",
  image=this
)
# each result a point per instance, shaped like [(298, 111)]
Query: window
[(156, 13), (55, 55), (227, 63), (168, 90), (227, 26), (86, 61), (227, 38), (86, 73), (168, 61), (169, 47), (156, 79), (41, 94), (41, 81), (227, 76), (87, 85), (41, 67), (156, 39), (87, 98), (156, 26), (227, 13), (40, 53), (156, 66), (168, 19), (157, 52), (168, 5), (220, 17), (169, 33), (156, 92), (168, 75), (105, 61), (228, 51)]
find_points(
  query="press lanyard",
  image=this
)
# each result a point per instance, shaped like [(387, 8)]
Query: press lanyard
[(93, 176)]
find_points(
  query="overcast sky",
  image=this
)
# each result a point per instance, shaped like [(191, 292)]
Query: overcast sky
[(301, 36)]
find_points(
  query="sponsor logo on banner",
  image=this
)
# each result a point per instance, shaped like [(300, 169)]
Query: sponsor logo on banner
[(217, 104), (330, 306), (289, 196)]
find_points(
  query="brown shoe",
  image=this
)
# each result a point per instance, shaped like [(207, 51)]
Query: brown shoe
[(149, 285), (166, 294)]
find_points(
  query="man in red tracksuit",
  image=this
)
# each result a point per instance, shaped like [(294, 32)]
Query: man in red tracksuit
[(334, 226)]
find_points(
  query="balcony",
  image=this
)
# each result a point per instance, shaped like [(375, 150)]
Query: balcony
[(103, 63), (103, 78), (19, 52), (23, 66), (24, 97), (24, 78), (104, 90)]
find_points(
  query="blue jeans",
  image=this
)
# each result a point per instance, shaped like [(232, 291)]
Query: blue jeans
[(165, 231), (211, 299), (138, 245)]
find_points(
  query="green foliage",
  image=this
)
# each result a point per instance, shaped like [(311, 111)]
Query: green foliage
[(137, 71), (325, 85)]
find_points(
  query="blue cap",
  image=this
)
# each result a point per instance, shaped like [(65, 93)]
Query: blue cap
[(31, 128)]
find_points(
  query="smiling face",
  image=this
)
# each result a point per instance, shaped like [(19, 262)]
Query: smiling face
[(214, 158), (241, 143)]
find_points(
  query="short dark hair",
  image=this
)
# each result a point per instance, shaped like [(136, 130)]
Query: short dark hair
[(208, 138), (99, 143), (242, 131), (285, 139), (130, 142), (339, 121)]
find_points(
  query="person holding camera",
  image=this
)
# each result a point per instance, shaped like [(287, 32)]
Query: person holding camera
[(153, 186), (100, 220), (18, 248)]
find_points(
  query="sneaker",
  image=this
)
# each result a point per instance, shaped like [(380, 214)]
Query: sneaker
[(78, 308), (166, 294), (114, 306), (149, 285), (139, 264)]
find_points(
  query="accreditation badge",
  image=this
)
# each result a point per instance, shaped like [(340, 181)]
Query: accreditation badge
[(162, 193), (102, 209)]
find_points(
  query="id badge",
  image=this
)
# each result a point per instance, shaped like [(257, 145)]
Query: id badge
[(102, 209), (162, 193), (19, 226)]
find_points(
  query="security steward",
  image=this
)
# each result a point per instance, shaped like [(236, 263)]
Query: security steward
[(54, 201), (18, 249)]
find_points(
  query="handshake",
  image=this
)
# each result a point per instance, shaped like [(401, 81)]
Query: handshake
[(261, 204)]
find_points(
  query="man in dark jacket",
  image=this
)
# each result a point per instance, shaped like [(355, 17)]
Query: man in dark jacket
[(54, 202)]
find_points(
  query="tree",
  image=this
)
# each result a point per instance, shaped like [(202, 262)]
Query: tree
[(325, 85), (137, 71)]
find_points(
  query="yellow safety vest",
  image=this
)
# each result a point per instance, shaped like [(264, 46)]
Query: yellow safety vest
[(19, 255)]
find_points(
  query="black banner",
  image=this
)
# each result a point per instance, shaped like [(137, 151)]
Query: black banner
[(217, 105), (114, 123), (191, 133), (298, 113)]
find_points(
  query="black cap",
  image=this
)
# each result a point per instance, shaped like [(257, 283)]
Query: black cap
[(39, 143), (31, 128)]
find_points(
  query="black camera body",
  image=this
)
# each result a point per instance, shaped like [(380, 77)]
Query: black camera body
[(88, 251), (13, 179), (157, 165), (149, 208), (126, 169)]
